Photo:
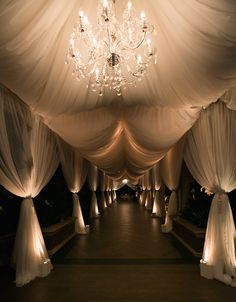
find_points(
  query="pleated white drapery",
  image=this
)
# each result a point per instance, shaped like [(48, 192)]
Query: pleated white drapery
[(108, 186), (125, 137), (93, 183), (156, 184), (102, 187), (75, 171), (170, 171), (210, 157), (28, 160), (195, 44)]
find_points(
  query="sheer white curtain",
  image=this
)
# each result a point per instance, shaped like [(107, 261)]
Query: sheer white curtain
[(171, 166), (102, 187), (156, 184), (149, 198), (210, 157), (108, 186), (144, 180), (93, 184), (75, 171), (28, 160)]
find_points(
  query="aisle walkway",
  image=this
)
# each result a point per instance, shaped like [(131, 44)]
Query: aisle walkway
[(125, 233), (124, 258)]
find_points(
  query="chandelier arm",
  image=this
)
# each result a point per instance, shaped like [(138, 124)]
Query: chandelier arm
[(108, 33), (137, 46), (113, 60)]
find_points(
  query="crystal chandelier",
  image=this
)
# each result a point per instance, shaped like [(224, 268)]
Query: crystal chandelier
[(114, 54)]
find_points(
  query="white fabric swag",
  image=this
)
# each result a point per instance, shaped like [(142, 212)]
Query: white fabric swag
[(195, 42), (126, 136), (171, 166), (93, 184), (158, 207), (28, 160), (210, 157), (102, 187), (75, 171)]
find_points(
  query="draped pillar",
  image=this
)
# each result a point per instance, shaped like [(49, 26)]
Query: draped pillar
[(171, 166), (108, 191), (93, 183), (149, 200), (210, 157), (102, 186), (114, 198), (156, 184), (147, 188), (28, 160), (75, 171), (30, 256), (80, 227), (113, 190), (142, 196)]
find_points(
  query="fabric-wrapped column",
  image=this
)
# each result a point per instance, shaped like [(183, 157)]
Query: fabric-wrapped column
[(156, 211), (218, 260), (149, 200), (156, 184), (80, 227), (102, 186), (93, 183), (210, 157), (29, 158), (30, 256), (75, 170), (171, 166)]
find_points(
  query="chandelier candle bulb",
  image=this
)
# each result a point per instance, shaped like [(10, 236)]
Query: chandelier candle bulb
[(114, 54), (105, 7), (143, 16), (149, 46)]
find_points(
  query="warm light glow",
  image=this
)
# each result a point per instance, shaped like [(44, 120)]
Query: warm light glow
[(116, 53), (125, 181), (143, 15)]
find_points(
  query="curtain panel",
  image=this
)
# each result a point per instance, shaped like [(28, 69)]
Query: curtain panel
[(28, 160), (210, 157)]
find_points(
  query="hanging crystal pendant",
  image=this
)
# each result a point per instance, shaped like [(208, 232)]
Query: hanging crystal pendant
[(114, 55)]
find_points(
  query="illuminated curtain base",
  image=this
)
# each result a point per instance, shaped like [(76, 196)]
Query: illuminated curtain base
[(80, 227), (30, 257), (156, 210), (172, 211), (94, 213), (218, 260)]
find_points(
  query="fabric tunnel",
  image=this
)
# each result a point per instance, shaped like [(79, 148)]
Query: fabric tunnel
[(178, 116)]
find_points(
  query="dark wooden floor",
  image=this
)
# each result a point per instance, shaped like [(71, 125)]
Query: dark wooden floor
[(124, 258)]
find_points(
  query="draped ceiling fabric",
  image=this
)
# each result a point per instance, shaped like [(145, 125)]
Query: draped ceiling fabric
[(124, 136)]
